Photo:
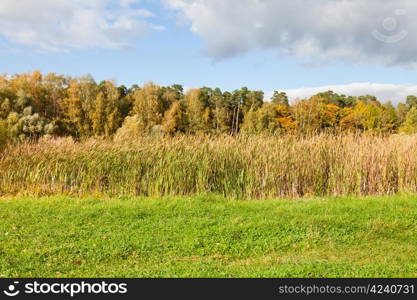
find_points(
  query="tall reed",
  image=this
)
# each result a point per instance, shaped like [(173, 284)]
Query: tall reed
[(238, 167)]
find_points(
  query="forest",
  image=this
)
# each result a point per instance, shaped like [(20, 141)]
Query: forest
[(34, 104)]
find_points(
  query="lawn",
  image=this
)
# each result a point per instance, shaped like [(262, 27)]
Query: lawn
[(208, 236)]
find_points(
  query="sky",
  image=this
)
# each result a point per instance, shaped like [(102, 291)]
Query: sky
[(302, 47)]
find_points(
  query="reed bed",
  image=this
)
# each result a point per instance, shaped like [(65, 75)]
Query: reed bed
[(251, 167)]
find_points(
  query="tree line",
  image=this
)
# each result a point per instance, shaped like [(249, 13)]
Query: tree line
[(33, 105)]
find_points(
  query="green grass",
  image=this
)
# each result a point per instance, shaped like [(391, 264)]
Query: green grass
[(208, 236)]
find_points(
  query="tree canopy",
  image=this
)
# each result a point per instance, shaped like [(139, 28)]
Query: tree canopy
[(34, 104)]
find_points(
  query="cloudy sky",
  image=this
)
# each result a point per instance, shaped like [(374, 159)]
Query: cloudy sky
[(299, 46)]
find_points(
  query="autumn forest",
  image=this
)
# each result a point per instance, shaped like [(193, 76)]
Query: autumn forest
[(33, 105)]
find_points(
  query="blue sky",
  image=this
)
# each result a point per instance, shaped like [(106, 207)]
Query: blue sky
[(210, 43)]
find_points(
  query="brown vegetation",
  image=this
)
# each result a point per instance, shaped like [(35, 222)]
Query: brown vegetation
[(250, 167)]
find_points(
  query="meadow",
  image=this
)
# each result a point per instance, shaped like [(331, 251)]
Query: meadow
[(208, 236), (243, 167), (199, 206)]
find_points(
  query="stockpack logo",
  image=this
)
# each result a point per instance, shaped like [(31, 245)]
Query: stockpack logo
[(65, 288), (12, 290)]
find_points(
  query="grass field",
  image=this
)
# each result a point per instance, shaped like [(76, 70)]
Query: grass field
[(252, 167), (208, 236)]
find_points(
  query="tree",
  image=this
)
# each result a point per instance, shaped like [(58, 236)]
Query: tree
[(75, 116), (175, 119), (389, 118), (331, 97), (242, 102), (253, 100), (280, 98), (28, 125), (116, 107), (198, 112), (371, 116), (367, 99), (270, 118), (98, 115), (285, 118), (410, 124), (401, 111), (221, 111), (411, 101), (312, 115), (149, 106)]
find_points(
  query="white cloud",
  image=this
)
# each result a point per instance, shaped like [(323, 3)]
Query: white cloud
[(379, 31), (385, 92), (53, 25)]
